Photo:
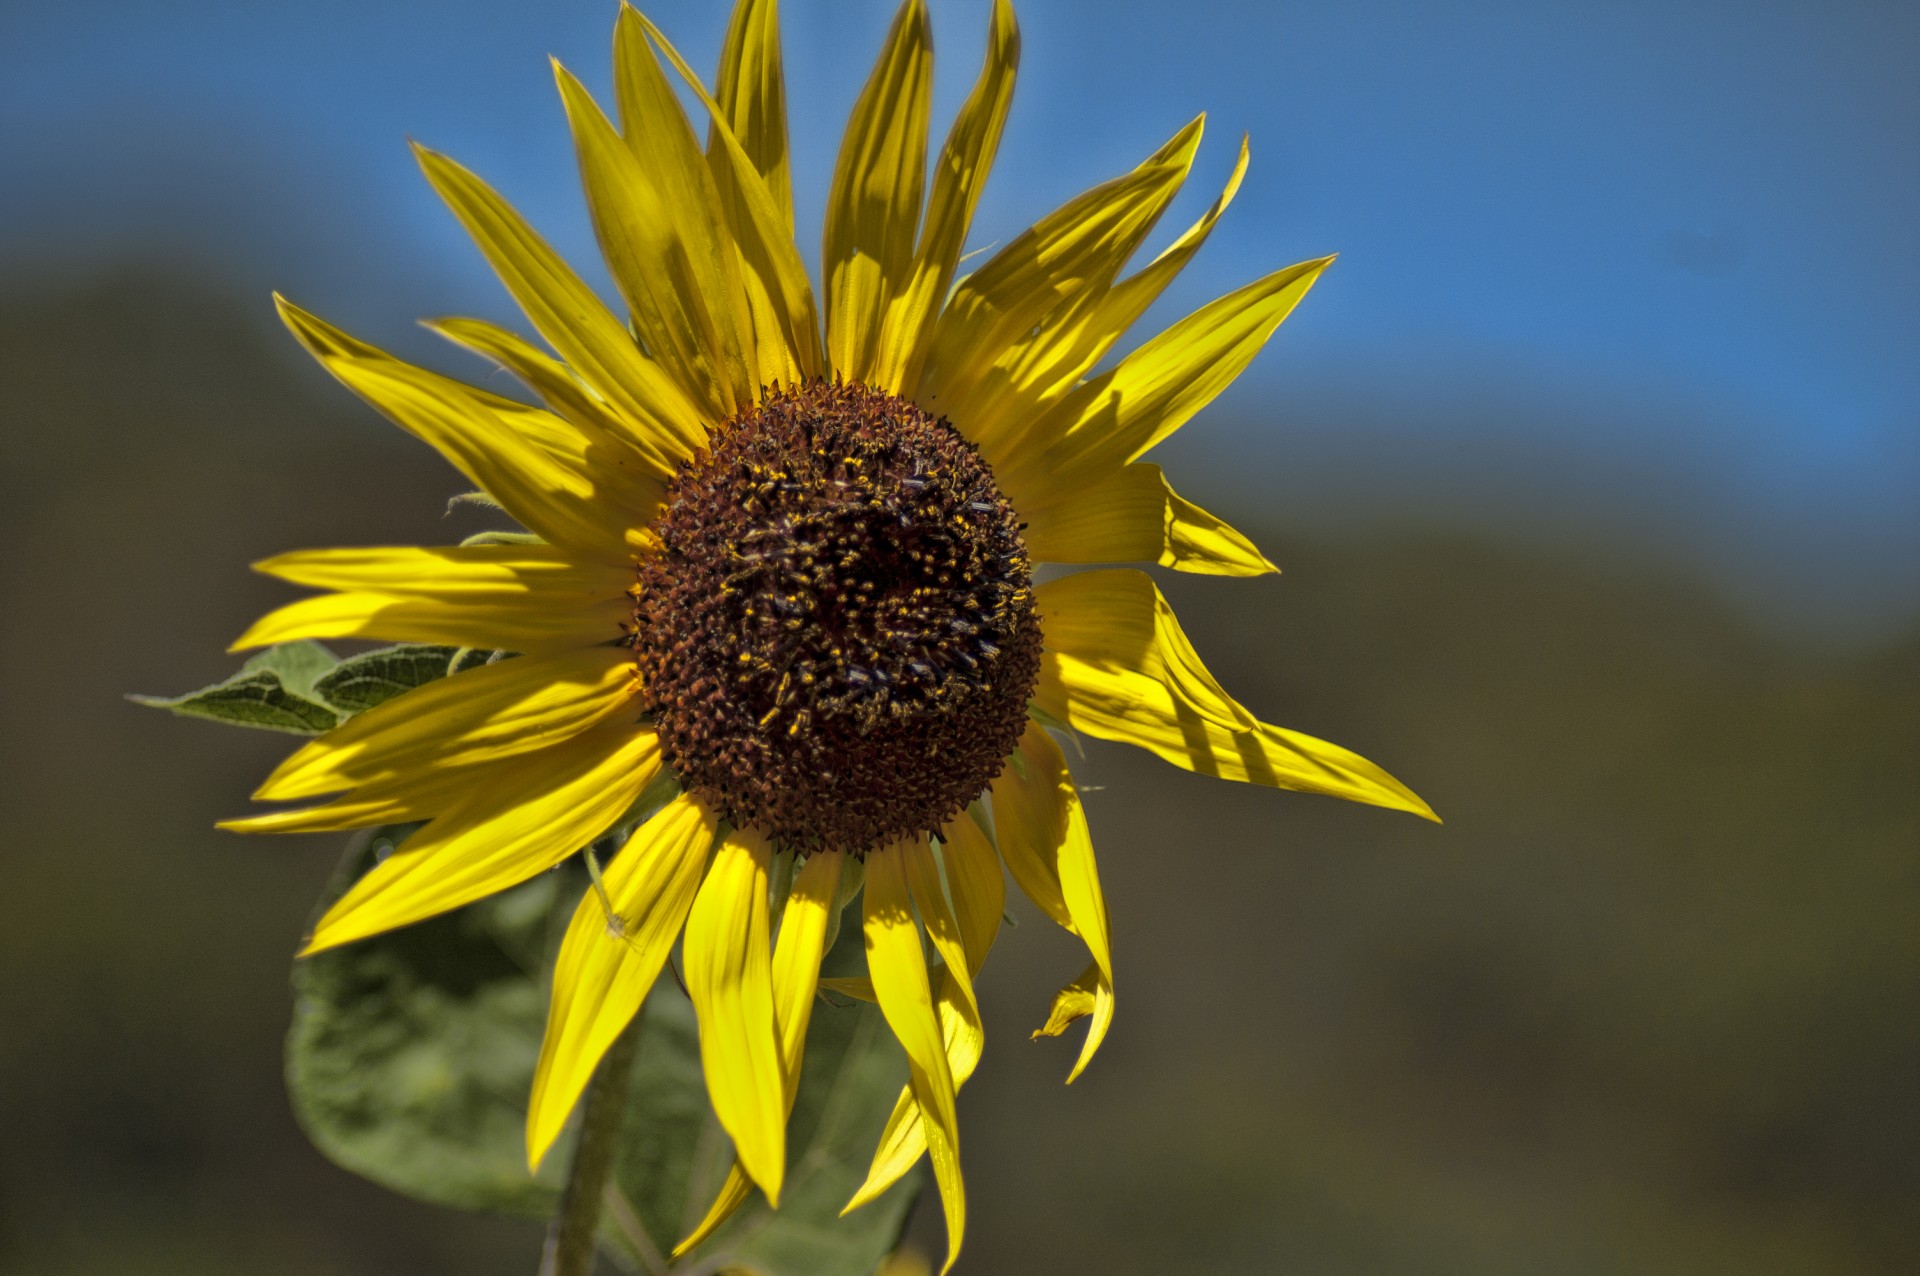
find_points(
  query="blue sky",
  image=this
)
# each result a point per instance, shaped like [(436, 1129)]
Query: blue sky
[(1650, 269)]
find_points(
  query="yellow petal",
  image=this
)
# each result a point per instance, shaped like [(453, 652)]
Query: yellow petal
[(750, 90), (528, 818), (1119, 415), (533, 463), (489, 443), (966, 1036), (399, 799), (452, 572), (1132, 515), (1045, 842), (1030, 822), (655, 207), (1072, 253), (904, 1140), (476, 715), (1108, 671), (566, 312), (607, 964), (1034, 373), (797, 955), (925, 880), (899, 971), (873, 210), (516, 625), (729, 975), (958, 178), (1128, 299), (1116, 624), (1270, 755), (509, 597), (1072, 1003), (1080, 885), (732, 1195), (779, 294), (979, 899), (853, 876), (974, 881), (611, 443), (859, 987), (796, 979)]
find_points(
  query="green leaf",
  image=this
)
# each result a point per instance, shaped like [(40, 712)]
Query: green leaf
[(298, 665), (274, 690), (358, 683), (303, 688), (412, 1055)]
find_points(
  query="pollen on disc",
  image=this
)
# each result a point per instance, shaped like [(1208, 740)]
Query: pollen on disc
[(837, 637)]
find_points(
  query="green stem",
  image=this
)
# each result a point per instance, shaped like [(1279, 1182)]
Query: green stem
[(576, 1222)]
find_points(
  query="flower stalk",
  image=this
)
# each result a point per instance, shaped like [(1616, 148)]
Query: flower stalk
[(572, 1236)]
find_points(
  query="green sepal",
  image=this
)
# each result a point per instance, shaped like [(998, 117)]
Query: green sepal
[(503, 538), (274, 691), (412, 1054)]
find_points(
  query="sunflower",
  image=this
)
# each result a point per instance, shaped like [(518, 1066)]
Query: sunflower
[(779, 556)]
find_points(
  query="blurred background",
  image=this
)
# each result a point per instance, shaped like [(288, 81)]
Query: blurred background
[(1593, 467)]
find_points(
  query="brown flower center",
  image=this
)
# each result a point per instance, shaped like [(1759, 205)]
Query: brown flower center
[(837, 638)]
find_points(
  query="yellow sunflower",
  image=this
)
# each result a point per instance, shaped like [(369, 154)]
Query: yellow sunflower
[(785, 558)]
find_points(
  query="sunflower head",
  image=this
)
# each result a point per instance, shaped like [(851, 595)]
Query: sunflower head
[(837, 637), (779, 549)]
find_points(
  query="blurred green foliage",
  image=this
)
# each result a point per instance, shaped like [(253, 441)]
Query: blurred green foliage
[(1645, 1003)]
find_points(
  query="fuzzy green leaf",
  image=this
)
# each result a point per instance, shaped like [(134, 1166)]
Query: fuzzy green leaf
[(358, 683), (303, 688), (274, 690), (411, 1053)]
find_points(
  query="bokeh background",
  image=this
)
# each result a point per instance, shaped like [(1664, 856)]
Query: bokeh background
[(1593, 466)]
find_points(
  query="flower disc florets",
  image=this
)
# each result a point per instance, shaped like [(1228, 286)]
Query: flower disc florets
[(837, 638)]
